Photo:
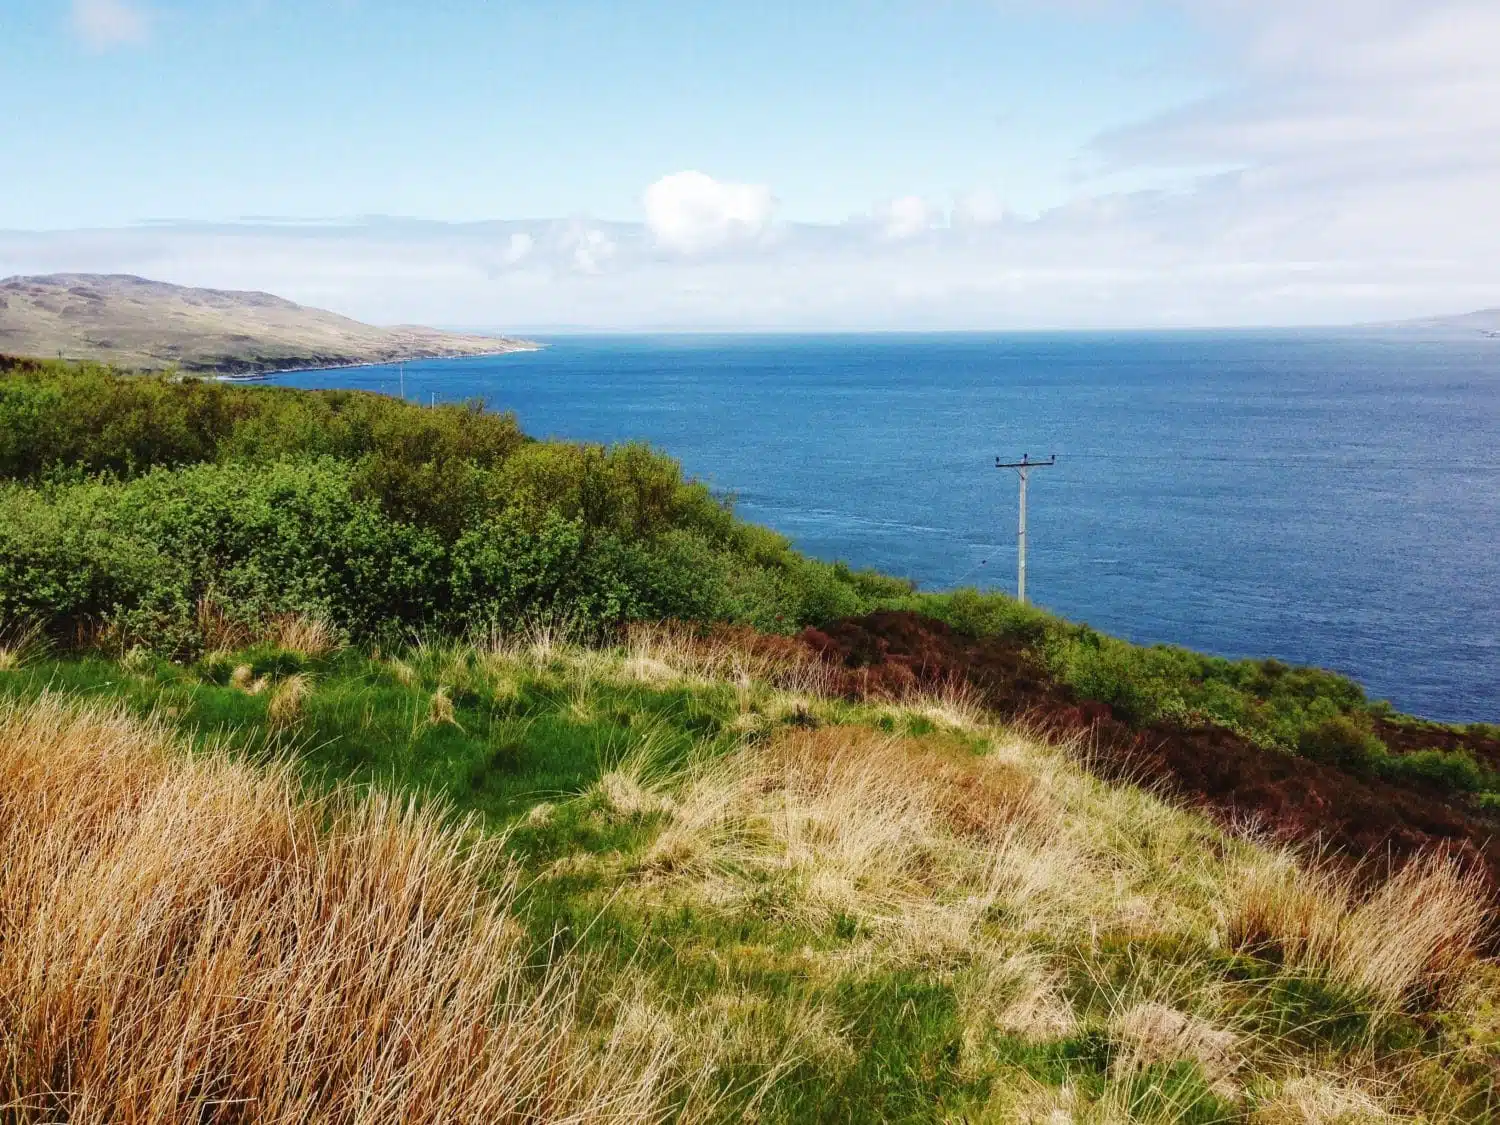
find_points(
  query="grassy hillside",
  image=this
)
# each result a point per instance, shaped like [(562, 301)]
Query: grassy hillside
[(138, 504), (349, 772), (150, 325), (697, 888)]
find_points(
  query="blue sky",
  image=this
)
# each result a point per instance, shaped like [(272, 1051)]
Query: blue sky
[(850, 163), (473, 110)]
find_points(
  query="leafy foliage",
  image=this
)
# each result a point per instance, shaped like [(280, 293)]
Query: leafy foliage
[(136, 498)]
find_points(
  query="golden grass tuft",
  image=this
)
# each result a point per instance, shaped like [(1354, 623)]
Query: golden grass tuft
[(20, 646), (663, 652), (955, 703), (288, 699), (440, 710), (1157, 1033), (1313, 1099), (855, 822), (1014, 993), (304, 633), (243, 679), (194, 939), (1415, 937)]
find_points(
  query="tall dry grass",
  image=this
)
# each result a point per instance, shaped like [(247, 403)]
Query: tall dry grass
[(197, 940), (1415, 937), (19, 645), (223, 631), (921, 840), (666, 651), (300, 632)]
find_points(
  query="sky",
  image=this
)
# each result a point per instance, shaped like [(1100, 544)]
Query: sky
[(849, 164)]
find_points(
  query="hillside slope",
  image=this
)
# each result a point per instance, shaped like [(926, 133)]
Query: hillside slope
[(687, 884), (349, 774), (136, 323), (1485, 322)]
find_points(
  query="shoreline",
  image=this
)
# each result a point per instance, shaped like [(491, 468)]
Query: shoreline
[(266, 373)]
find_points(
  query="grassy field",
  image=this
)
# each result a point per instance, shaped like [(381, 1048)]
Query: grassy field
[(522, 879)]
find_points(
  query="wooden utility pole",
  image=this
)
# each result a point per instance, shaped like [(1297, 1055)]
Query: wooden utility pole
[(1023, 469)]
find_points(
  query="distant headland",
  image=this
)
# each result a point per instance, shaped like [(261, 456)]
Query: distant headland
[(132, 322), (1485, 322)]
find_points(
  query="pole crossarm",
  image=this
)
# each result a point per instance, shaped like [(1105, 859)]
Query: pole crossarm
[(1023, 469), (1026, 463)]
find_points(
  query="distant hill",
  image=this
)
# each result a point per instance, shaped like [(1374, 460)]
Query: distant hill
[(136, 323), (1485, 322)]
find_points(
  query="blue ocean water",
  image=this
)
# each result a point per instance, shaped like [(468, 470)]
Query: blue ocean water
[(1326, 499)]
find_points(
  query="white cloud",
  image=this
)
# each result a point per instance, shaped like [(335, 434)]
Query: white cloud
[(587, 249), (520, 246), (906, 217), (1363, 91), (103, 24), (690, 212), (978, 208), (1226, 254)]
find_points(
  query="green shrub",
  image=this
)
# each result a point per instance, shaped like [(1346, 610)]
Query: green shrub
[(506, 571), (1452, 771), (136, 556), (1343, 742), (1108, 670), (89, 417), (989, 615)]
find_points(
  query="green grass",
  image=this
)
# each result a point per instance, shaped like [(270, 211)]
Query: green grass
[(801, 1016)]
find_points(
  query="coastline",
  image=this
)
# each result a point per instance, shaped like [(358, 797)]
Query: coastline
[(266, 373)]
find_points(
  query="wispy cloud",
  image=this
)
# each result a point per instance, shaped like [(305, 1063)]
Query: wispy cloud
[(106, 24), (1224, 254), (1375, 89)]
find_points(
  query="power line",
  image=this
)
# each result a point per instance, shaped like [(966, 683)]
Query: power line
[(1328, 459), (1023, 469)]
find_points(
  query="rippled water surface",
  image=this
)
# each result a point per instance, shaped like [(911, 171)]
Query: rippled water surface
[(1332, 500)]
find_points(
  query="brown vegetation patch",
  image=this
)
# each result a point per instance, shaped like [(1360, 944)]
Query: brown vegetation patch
[(890, 654), (973, 795)]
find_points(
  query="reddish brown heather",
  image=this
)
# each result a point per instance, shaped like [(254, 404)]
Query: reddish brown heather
[(892, 654)]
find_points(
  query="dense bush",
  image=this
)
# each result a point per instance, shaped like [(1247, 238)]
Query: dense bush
[(83, 418), (1343, 741), (137, 556), (139, 496), (134, 558)]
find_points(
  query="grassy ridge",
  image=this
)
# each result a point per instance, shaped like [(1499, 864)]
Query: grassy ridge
[(738, 897), (346, 774), (136, 505)]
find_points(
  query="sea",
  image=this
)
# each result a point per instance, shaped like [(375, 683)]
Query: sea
[(1323, 498)]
